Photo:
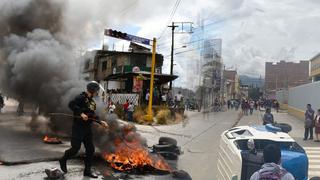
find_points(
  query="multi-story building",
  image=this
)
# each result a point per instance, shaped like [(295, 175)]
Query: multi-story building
[(125, 72), (283, 75), (211, 72), (315, 68), (232, 85)]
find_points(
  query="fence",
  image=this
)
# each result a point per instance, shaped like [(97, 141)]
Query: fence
[(122, 97)]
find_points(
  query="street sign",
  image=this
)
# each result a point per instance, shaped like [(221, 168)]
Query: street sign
[(125, 36)]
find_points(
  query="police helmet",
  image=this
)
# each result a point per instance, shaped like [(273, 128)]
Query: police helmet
[(93, 87)]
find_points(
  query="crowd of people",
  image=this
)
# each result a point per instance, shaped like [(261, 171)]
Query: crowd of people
[(249, 105)]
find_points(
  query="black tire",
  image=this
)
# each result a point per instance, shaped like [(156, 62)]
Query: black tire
[(167, 140), (284, 127), (315, 178), (168, 155), (164, 147), (181, 174)]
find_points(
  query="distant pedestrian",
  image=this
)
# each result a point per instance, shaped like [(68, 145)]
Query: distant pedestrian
[(112, 108), (1, 102), (178, 98), (268, 117), (147, 96), (317, 125), (308, 123), (130, 112), (236, 104), (155, 96), (256, 104), (164, 98), (229, 104), (125, 108), (187, 104), (276, 105), (251, 106)]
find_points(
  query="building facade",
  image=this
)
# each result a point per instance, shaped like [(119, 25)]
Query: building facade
[(284, 75), (102, 63), (211, 72), (232, 84), (315, 68), (126, 75)]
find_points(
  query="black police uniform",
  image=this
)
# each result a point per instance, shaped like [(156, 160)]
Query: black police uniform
[(81, 130)]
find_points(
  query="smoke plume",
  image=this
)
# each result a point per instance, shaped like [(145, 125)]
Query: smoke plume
[(37, 64)]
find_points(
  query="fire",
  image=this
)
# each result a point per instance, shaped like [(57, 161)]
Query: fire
[(51, 140), (130, 154)]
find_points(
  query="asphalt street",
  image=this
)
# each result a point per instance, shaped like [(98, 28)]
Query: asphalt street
[(198, 137)]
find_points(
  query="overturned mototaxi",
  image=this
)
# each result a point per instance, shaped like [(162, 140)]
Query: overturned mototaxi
[(241, 152)]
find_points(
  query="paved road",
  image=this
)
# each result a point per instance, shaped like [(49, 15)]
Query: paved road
[(200, 155), (202, 134)]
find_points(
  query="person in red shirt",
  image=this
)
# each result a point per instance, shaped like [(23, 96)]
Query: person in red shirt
[(125, 108)]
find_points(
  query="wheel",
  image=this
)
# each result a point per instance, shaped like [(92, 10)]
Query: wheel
[(168, 155), (167, 140), (283, 126), (181, 174), (164, 147)]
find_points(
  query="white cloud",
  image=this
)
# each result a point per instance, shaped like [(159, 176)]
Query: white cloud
[(252, 31)]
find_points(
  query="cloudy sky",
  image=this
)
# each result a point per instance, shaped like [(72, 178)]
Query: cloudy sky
[(252, 31)]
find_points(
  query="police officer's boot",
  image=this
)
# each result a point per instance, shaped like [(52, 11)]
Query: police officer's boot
[(87, 171), (63, 164)]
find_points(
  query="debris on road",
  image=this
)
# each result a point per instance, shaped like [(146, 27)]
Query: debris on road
[(54, 173)]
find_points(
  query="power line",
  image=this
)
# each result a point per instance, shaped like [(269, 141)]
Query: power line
[(125, 10), (175, 7), (181, 52)]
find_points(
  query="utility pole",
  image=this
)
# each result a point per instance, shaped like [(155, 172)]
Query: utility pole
[(172, 48)]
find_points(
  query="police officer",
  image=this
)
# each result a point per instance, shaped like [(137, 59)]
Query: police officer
[(83, 107)]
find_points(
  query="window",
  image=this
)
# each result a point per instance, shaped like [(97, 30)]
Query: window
[(104, 66), (114, 62), (138, 60)]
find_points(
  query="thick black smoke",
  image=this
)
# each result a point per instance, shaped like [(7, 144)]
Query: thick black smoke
[(37, 65), (23, 16)]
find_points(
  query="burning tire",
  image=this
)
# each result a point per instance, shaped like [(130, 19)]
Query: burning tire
[(167, 140), (168, 155)]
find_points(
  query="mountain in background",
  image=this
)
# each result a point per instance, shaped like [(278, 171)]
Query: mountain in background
[(251, 81)]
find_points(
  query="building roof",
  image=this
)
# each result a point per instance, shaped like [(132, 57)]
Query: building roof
[(315, 57)]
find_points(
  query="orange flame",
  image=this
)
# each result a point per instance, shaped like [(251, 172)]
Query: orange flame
[(133, 155), (51, 139)]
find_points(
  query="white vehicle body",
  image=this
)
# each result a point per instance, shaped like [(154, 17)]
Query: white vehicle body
[(229, 157)]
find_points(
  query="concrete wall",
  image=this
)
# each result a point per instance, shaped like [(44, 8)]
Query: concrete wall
[(302, 95), (282, 96)]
